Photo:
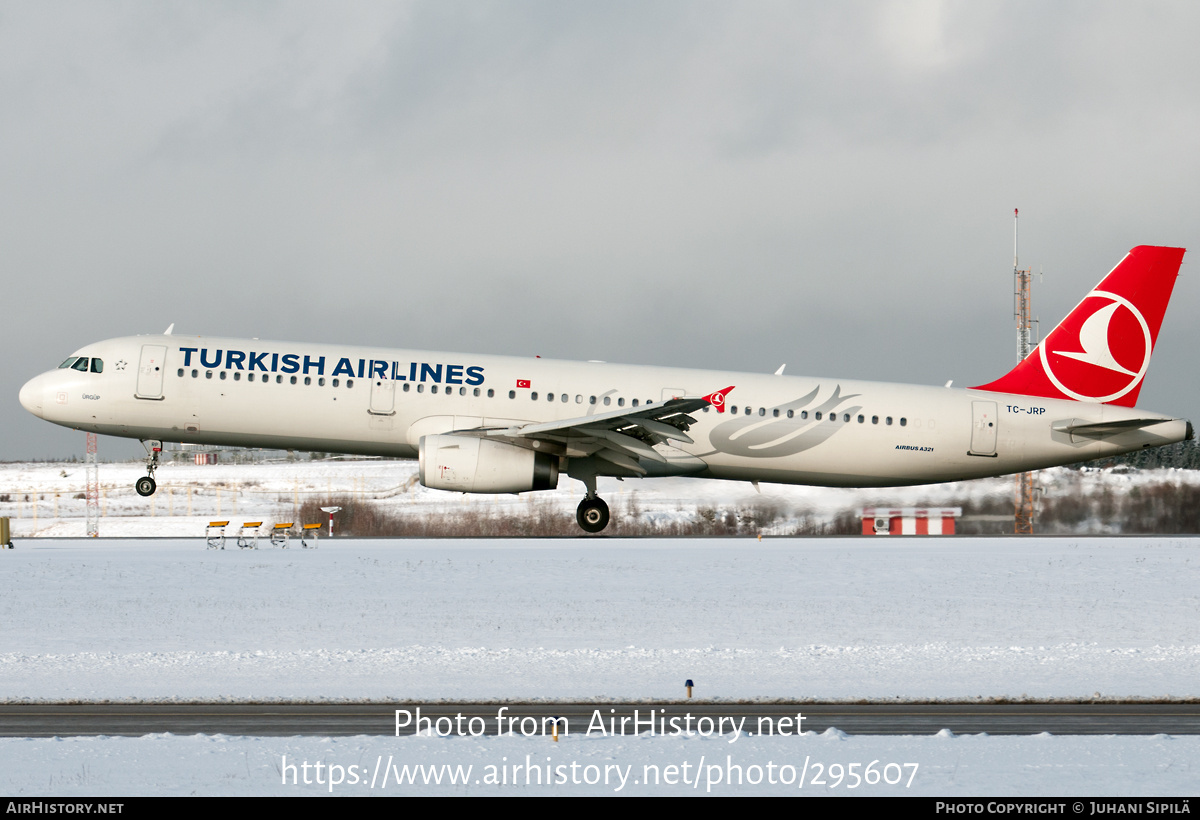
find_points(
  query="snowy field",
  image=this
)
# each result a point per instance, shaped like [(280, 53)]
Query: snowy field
[(153, 615), (140, 619), (592, 618), (48, 499)]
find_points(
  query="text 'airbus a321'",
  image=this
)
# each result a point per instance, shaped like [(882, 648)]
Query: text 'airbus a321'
[(497, 424)]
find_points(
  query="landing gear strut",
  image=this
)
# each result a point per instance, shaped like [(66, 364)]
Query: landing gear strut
[(146, 485), (592, 514)]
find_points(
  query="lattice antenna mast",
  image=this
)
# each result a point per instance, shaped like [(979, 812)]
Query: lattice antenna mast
[(1025, 490), (93, 489), (1021, 299)]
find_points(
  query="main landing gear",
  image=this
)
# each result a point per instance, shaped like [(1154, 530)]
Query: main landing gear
[(146, 485), (592, 514)]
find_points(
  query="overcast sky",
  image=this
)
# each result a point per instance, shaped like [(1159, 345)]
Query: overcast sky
[(725, 185)]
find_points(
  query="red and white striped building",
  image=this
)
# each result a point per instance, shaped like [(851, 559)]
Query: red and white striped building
[(909, 520)]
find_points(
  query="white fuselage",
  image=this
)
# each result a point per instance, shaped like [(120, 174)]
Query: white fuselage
[(785, 429)]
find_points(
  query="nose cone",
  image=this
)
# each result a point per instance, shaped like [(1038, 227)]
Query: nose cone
[(31, 395)]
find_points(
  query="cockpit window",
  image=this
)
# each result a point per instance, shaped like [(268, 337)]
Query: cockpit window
[(97, 365), (81, 364), (68, 362)]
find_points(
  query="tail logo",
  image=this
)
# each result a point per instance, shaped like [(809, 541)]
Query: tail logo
[(1092, 369)]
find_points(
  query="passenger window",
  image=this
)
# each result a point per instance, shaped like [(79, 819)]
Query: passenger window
[(181, 372), (433, 388), (804, 414), (97, 365), (733, 409), (635, 403), (607, 401), (237, 375), (591, 399), (223, 374), (578, 399), (420, 387), (564, 398), (336, 382), (279, 379), (249, 376), (476, 392), (321, 383), (293, 379), (874, 419), (462, 391), (861, 418), (349, 383), (791, 413), (762, 411), (845, 417), (817, 415), (307, 380), (208, 374), (407, 385), (775, 412), (549, 397), (512, 394), (533, 396), (903, 422), (888, 420), (621, 402)]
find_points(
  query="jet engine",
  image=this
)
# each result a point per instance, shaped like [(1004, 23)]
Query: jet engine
[(469, 464)]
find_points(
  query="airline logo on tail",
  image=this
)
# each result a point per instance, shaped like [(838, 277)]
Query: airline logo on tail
[(1092, 371), (1101, 351)]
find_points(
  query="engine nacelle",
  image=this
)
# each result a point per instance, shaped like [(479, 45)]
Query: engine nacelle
[(469, 464)]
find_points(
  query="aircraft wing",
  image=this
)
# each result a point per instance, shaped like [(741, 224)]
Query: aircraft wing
[(621, 437)]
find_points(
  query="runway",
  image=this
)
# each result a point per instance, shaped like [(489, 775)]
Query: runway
[(675, 717)]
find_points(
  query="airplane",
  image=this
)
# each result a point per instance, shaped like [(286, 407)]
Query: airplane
[(499, 424)]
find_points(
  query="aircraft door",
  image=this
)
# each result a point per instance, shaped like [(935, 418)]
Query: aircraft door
[(983, 428), (150, 372), (383, 397)]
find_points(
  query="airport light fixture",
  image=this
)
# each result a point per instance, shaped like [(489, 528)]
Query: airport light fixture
[(331, 511)]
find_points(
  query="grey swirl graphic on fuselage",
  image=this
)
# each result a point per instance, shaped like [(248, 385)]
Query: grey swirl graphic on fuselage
[(771, 437)]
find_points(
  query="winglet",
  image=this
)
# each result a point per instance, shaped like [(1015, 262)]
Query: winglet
[(717, 399)]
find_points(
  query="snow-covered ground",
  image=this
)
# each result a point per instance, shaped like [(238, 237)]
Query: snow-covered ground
[(962, 618), (830, 764), (584, 618), (591, 618)]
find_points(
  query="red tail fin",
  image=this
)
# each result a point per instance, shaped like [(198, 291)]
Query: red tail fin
[(1101, 351)]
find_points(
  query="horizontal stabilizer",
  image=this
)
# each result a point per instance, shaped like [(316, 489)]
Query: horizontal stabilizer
[(1103, 429)]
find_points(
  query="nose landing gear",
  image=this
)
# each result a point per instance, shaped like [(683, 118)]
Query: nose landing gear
[(145, 486)]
